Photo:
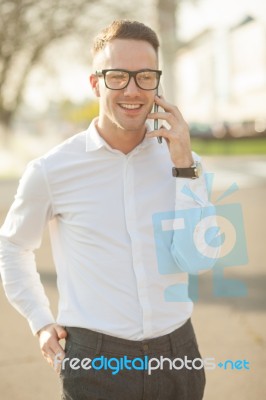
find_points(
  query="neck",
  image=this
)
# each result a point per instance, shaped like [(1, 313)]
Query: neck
[(120, 139)]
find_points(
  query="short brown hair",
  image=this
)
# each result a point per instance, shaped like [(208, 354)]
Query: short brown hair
[(125, 29)]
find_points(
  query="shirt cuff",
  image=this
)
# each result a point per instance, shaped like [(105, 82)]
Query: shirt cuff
[(40, 318), (191, 192)]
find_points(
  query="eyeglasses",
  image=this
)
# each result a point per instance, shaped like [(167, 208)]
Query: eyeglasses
[(117, 79)]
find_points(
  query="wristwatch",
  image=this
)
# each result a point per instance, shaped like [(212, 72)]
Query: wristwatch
[(192, 172)]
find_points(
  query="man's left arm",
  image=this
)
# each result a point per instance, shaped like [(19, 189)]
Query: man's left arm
[(195, 246)]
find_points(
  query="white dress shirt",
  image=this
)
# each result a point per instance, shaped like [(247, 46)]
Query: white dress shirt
[(100, 205)]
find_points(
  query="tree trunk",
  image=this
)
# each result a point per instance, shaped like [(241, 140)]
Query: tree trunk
[(167, 10), (5, 126)]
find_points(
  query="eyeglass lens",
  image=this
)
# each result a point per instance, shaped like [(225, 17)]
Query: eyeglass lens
[(146, 80)]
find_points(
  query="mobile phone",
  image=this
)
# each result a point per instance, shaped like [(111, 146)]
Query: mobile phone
[(156, 122)]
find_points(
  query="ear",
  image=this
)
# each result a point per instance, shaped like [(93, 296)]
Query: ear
[(94, 81)]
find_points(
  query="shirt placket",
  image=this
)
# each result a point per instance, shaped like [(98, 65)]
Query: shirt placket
[(132, 223)]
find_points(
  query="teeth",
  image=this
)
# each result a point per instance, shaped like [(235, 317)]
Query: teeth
[(130, 106)]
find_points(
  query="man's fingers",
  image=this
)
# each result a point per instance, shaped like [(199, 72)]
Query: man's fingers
[(51, 349), (168, 107), (54, 349), (61, 332), (57, 361), (54, 359)]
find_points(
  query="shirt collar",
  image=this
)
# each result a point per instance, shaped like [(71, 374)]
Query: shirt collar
[(94, 141)]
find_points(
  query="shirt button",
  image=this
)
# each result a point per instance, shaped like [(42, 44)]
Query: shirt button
[(145, 347)]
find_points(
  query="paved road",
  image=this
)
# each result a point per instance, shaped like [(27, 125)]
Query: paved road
[(227, 328)]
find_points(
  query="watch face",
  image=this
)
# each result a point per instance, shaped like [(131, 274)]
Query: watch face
[(198, 169), (175, 172)]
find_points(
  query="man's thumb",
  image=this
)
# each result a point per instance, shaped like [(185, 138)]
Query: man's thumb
[(61, 332)]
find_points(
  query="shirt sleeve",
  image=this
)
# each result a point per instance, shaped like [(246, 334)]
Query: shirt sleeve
[(20, 235), (196, 243)]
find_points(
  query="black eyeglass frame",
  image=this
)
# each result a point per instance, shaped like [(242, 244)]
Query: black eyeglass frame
[(131, 74)]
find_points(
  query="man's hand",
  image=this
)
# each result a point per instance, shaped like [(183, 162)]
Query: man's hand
[(49, 337), (177, 136)]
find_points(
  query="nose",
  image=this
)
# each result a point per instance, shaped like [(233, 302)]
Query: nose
[(132, 88)]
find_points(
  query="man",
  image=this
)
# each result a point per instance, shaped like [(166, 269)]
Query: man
[(101, 192)]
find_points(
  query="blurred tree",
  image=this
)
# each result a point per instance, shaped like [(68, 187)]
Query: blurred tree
[(28, 27), (80, 114), (168, 12), (167, 25)]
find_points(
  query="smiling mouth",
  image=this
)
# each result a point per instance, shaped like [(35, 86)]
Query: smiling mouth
[(131, 106)]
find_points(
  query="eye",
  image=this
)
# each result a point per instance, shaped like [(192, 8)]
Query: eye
[(117, 75), (146, 76)]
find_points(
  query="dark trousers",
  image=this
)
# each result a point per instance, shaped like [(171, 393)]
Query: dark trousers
[(120, 368)]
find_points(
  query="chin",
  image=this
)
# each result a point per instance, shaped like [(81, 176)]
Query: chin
[(133, 126)]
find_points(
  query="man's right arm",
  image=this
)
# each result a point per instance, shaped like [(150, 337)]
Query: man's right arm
[(20, 235)]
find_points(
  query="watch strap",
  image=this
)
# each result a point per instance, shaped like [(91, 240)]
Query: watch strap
[(192, 172)]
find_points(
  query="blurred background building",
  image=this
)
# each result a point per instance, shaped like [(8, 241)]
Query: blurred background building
[(221, 70)]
